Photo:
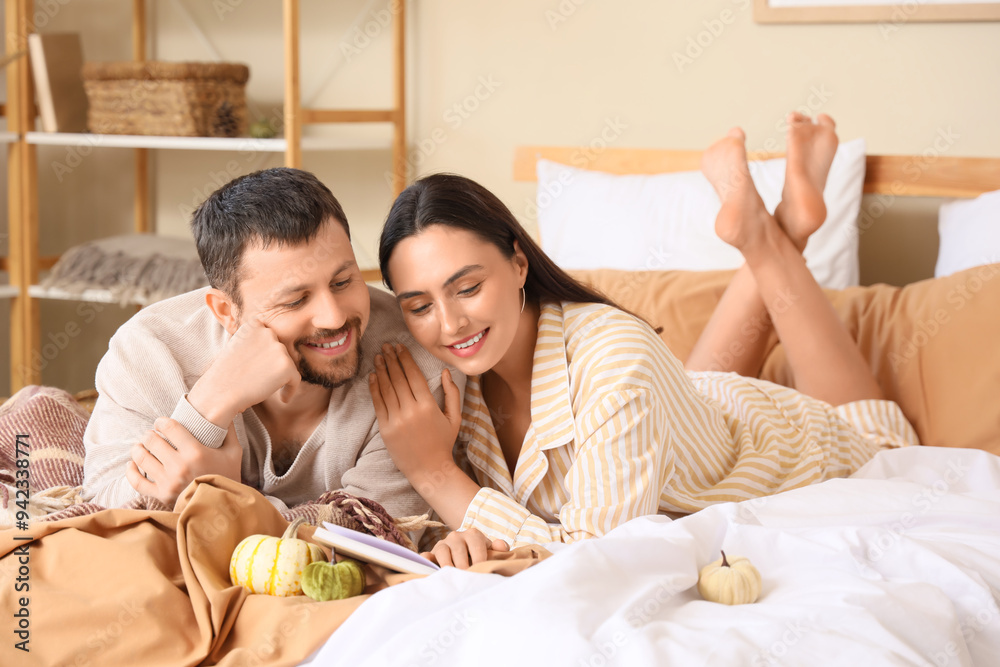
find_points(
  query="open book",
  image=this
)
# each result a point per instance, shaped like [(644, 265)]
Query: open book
[(373, 550)]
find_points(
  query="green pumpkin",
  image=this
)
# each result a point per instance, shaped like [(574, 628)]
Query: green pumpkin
[(262, 129), (333, 581)]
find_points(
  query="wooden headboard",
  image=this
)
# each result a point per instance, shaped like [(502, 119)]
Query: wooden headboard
[(899, 175)]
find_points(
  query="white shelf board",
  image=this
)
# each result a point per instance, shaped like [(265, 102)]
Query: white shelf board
[(92, 295), (9, 291), (278, 145), (7, 137)]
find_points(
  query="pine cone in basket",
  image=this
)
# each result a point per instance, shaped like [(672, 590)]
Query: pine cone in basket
[(225, 123)]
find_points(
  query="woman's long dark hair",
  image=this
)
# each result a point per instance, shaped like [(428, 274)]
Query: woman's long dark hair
[(456, 201)]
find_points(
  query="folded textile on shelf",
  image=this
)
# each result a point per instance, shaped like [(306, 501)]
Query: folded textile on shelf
[(138, 268)]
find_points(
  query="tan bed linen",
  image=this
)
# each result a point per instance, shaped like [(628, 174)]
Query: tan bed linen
[(130, 587), (934, 345)]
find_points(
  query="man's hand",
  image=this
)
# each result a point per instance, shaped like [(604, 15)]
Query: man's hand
[(252, 366), (172, 458), (462, 548)]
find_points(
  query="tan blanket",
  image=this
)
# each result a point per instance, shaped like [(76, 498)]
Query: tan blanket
[(129, 587)]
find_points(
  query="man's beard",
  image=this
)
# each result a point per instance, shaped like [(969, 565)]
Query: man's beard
[(341, 369)]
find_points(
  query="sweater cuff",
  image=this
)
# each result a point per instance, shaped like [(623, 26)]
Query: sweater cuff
[(495, 515), (278, 503), (203, 430)]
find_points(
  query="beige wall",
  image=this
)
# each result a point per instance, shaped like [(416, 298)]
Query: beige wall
[(532, 71), (569, 68)]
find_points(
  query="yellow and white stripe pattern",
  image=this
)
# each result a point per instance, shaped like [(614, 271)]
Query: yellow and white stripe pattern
[(619, 429)]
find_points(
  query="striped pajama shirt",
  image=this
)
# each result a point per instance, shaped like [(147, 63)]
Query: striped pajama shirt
[(619, 429)]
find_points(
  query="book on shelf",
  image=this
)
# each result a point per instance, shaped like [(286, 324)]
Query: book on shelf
[(371, 549), (56, 62)]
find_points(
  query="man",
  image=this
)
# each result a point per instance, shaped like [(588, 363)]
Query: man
[(263, 374)]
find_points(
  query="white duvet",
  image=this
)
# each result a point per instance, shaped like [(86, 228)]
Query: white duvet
[(898, 565)]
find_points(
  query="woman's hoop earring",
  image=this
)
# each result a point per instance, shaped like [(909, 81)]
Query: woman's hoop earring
[(524, 299)]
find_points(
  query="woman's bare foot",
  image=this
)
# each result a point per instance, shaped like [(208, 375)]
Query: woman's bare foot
[(810, 152), (742, 220)]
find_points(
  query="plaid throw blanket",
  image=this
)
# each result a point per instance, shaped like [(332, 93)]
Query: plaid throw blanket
[(54, 423)]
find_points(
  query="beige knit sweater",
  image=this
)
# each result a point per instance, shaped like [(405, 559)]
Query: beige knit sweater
[(155, 359)]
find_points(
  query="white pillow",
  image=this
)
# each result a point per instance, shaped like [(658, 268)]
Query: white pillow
[(593, 220), (970, 234)]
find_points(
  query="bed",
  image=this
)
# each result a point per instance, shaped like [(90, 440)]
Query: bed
[(899, 564)]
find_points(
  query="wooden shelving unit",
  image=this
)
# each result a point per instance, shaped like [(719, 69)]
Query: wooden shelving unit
[(90, 295), (7, 291), (24, 263), (22, 197), (278, 145)]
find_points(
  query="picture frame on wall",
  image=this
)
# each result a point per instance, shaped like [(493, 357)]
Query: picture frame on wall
[(873, 11)]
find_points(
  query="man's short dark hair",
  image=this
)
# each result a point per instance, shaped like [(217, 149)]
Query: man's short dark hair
[(273, 206)]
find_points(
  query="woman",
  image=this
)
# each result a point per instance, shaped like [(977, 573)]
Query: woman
[(577, 417)]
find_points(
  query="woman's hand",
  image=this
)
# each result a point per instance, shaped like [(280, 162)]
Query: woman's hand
[(419, 436), (463, 548)]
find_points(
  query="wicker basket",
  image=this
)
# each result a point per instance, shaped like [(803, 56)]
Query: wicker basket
[(172, 99)]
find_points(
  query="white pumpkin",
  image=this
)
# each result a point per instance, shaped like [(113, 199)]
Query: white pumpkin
[(729, 581), (272, 565)]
